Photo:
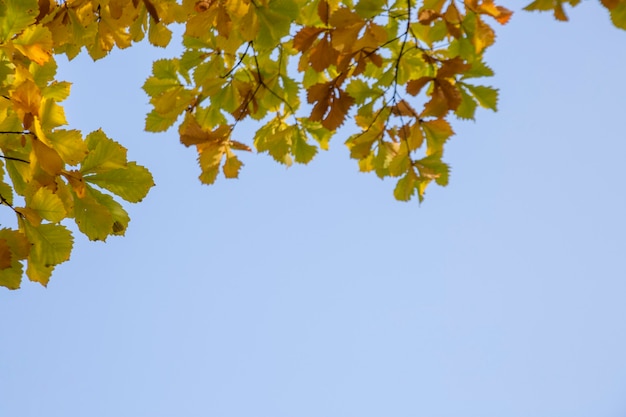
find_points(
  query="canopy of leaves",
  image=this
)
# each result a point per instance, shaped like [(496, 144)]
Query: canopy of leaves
[(397, 69)]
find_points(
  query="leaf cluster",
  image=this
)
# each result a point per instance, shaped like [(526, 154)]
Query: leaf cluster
[(393, 71)]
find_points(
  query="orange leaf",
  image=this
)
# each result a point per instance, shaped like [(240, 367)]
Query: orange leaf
[(239, 146), (501, 14), (559, 12)]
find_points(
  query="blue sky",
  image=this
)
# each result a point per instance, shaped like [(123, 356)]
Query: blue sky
[(310, 291)]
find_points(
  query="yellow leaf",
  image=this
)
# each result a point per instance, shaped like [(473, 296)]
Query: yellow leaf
[(26, 99), (159, 34), (48, 159), (35, 43), (69, 144), (51, 115), (232, 165), (210, 156), (47, 204), (52, 245)]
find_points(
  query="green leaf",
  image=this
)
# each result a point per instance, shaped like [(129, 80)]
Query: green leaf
[(400, 163), (15, 16), (405, 187), (93, 219), (118, 214), (52, 245), (274, 22), (104, 154), (303, 152), (132, 183), (478, 69), (47, 204), (436, 132), (156, 86), (487, 97), (360, 91), (276, 139), (159, 34), (369, 8), (156, 122), (6, 191), (57, 91), (432, 167), (467, 108), (317, 131), (360, 144)]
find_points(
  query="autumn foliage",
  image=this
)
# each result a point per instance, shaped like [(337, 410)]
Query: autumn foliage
[(399, 70)]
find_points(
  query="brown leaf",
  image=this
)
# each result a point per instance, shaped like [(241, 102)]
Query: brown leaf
[(344, 17), (453, 66), (438, 104), (318, 92), (451, 94), (404, 109), (202, 5), (610, 4), (323, 55), (414, 87), (191, 133), (427, 16), (338, 110), (5, 254), (153, 11), (323, 11), (305, 37)]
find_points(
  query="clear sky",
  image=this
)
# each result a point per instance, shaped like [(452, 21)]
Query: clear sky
[(310, 291)]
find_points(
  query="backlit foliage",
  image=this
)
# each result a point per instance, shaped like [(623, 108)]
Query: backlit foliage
[(398, 69)]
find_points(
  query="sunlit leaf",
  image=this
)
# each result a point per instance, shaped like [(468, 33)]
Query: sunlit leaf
[(132, 182)]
